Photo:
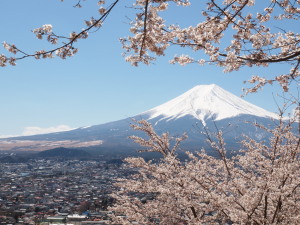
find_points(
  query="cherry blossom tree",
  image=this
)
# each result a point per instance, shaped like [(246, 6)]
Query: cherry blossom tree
[(260, 185), (230, 34)]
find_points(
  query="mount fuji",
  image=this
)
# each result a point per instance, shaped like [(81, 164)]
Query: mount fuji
[(207, 106), (206, 102)]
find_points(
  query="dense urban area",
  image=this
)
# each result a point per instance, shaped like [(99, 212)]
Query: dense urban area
[(56, 191)]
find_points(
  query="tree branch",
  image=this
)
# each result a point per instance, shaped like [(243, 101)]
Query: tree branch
[(70, 43), (145, 29)]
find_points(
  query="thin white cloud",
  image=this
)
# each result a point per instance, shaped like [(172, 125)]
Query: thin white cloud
[(39, 130), (8, 136)]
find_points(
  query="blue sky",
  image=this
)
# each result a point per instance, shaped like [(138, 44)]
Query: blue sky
[(97, 85)]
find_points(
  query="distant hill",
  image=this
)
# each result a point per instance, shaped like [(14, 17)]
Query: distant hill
[(64, 153), (14, 159)]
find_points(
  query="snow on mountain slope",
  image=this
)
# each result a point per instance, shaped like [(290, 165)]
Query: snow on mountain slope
[(206, 102)]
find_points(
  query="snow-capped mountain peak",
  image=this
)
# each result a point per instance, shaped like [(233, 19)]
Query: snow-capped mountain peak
[(206, 102)]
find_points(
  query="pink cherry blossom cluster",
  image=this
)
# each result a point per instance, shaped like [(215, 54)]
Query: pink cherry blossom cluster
[(233, 34), (66, 43), (260, 185)]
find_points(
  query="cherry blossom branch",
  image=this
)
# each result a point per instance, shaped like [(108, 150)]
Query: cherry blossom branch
[(145, 28), (67, 48), (231, 19)]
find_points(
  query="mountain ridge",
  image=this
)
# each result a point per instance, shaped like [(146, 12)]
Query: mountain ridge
[(203, 105)]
